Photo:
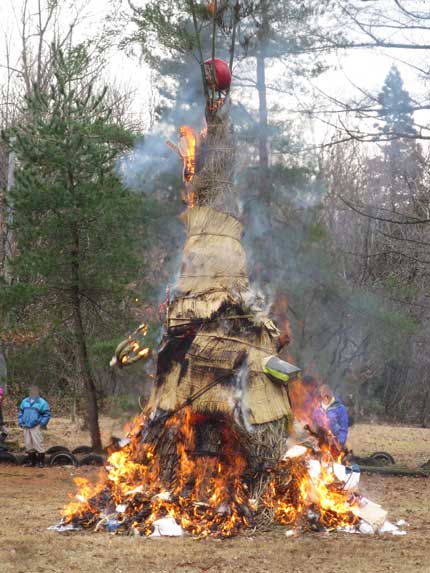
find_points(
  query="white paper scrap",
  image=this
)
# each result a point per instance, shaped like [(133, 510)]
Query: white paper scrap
[(166, 526)]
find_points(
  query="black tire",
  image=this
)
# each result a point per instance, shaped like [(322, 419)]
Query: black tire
[(8, 458), (63, 458), (56, 449), (92, 460), (82, 450), (382, 459)]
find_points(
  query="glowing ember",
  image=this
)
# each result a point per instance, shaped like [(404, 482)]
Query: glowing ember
[(216, 104)]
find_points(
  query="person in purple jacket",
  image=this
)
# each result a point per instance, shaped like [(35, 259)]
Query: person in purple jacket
[(332, 417)]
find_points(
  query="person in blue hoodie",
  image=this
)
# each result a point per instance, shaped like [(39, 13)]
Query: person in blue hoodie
[(332, 417), (34, 415)]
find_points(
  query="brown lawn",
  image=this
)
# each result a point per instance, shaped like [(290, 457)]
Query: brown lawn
[(31, 500)]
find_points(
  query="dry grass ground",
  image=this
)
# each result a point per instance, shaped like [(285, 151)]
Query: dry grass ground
[(32, 499), (63, 432), (409, 446)]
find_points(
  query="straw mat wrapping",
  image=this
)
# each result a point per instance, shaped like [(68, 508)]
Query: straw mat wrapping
[(213, 356), (213, 278), (213, 256)]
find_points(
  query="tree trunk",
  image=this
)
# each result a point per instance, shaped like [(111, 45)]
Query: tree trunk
[(3, 369), (82, 353), (6, 253), (263, 144)]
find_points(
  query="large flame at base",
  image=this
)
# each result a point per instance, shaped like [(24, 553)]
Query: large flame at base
[(209, 495)]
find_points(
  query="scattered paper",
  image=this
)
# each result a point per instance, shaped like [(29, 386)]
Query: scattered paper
[(295, 452), (348, 475), (365, 528), (389, 527), (164, 496), (60, 527), (166, 526), (314, 469), (372, 513)]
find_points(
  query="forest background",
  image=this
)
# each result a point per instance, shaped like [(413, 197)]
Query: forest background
[(332, 173)]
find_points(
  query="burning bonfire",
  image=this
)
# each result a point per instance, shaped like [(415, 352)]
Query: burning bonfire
[(210, 495), (308, 490), (201, 458)]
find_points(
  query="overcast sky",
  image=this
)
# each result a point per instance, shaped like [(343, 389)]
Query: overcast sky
[(363, 68)]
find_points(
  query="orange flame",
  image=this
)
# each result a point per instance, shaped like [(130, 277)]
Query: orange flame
[(304, 397), (299, 496), (208, 496), (187, 148)]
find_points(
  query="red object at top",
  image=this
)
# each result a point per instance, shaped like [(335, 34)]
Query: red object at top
[(222, 73)]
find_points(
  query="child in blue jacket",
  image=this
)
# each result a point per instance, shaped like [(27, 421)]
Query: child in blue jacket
[(332, 416), (34, 415)]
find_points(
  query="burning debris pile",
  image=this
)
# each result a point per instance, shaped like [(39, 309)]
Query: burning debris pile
[(315, 490), (198, 459), (209, 495), (312, 491), (308, 490)]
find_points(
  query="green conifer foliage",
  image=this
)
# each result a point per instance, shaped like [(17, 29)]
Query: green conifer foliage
[(74, 222), (396, 106)]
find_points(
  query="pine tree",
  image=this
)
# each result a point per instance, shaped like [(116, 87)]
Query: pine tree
[(401, 173), (396, 106), (73, 219)]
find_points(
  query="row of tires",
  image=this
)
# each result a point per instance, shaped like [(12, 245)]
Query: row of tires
[(84, 456), (58, 456)]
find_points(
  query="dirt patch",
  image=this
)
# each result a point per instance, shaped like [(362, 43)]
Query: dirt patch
[(32, 500), (409, 446)]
